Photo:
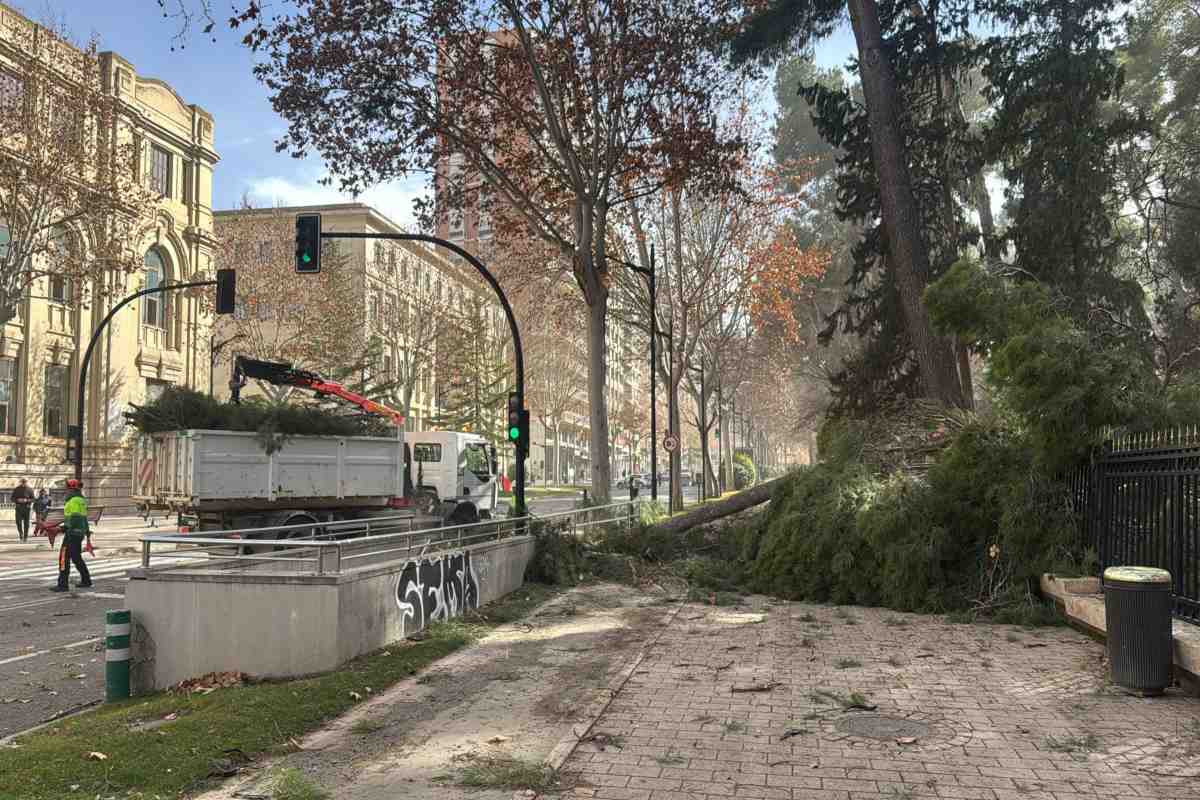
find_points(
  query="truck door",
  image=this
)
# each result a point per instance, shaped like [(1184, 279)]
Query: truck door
[(476, 470)]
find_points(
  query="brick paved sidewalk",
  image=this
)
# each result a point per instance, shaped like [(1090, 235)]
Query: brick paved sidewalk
[(962, 711)]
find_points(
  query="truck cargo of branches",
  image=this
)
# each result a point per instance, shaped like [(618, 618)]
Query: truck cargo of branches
[(228, 480)]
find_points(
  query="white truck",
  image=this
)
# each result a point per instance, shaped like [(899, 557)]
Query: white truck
[(224, 480)]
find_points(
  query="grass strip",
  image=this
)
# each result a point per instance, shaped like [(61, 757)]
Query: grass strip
[(169, 758)]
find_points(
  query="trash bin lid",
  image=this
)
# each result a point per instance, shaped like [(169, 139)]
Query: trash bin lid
[(1137, 575)]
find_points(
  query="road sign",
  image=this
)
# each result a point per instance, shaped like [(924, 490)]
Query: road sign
[(670, 443)]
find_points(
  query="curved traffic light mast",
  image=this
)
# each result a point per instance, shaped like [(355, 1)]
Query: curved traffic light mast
[(308, 260)]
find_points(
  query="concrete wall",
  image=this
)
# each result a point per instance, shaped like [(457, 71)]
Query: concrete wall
[(187, 624)]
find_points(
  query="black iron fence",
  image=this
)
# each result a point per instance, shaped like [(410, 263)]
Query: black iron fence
[(1139, 505)]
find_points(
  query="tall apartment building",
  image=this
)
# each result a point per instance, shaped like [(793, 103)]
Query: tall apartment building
[(390, 281), (151, 343)]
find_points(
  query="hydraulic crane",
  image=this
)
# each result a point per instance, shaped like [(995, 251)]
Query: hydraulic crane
[(286, 375)]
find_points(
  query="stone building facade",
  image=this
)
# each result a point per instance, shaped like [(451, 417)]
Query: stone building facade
[(149, 344)]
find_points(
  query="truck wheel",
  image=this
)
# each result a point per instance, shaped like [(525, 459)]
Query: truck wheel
[(463, 514)]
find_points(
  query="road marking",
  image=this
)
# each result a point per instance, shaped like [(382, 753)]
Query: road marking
[(14, 659)]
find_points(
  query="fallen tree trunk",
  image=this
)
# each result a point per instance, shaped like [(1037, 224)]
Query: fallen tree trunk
[(709, 512)]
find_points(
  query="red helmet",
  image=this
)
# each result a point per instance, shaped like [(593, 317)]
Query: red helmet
[(73, 484)]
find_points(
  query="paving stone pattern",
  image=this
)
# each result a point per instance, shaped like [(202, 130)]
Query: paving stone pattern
[(1006, 714)]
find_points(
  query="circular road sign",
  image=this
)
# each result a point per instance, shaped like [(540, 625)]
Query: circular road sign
[(670, 443)]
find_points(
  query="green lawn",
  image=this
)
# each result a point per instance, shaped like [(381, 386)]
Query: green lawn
[(179, 755)]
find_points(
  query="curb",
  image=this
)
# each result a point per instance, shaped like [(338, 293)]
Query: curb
[(567, 744)]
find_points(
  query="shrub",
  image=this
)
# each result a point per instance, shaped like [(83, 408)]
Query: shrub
[(744, 473), (558, 558), (975, 532)]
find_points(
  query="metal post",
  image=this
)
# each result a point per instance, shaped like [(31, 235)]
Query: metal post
[(87, 358), (118, 625), (676, 455), (145, 555), (653, 379)]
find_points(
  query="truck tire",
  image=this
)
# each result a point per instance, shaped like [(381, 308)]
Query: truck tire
[(287, 518), (462, 514)]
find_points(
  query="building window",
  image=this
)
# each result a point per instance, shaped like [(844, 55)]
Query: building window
[(379, 253), (153, 305), (60, 289), (375, 306), (8, 396), (387, 366), (160, 170), (5, 239), (155, 389), (54, 416), (392, 260), (264, 250), (189, 188), (404, 269)]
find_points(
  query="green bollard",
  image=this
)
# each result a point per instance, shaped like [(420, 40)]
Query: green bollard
[(117, 627)]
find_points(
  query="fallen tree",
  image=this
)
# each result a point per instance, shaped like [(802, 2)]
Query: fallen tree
[(709, 512)]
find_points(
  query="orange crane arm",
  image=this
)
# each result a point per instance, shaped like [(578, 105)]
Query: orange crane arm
[(286, 375)]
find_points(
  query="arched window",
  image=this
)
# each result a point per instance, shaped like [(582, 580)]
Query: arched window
[(154, 305)]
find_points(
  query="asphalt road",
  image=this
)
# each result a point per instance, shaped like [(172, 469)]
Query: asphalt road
[(51, 645)]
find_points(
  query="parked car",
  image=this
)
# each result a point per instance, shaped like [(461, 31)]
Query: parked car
[(685, 479)]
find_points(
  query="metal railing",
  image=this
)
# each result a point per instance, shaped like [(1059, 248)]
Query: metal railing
[(1140, 505), (330, 548)]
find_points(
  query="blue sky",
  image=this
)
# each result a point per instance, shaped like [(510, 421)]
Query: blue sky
[(217, 76)]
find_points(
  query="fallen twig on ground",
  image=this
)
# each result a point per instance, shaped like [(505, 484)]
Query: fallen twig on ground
[(756, 687)]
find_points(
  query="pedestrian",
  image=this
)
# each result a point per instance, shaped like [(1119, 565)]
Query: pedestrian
[(22, 499), (75, 530), (41, 505)]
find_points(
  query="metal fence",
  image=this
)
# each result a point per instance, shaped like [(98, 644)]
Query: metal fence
[(1139, 504), (331, 548)]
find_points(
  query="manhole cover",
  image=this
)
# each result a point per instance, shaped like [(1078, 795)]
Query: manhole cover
[(881, 726)]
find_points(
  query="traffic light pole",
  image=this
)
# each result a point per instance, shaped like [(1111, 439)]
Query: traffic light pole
[(522, 447), (87, 358)]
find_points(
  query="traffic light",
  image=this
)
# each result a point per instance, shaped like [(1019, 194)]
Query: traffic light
[(308, 243), (518, 423), (226, 291), (514, 417)]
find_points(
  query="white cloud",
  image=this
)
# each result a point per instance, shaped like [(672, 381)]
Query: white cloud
[(393, 200)]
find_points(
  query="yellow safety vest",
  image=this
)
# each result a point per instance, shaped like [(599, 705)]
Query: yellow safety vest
[(75, 512)]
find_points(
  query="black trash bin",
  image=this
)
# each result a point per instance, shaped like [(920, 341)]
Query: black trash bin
[(1137, 608)]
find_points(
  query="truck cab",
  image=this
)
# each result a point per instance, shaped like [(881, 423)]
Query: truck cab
[(456, 472)]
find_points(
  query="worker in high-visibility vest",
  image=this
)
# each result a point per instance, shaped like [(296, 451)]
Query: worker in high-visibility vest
[(75, 530)]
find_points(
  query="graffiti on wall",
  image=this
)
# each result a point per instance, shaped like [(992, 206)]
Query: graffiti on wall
[(434, 589)]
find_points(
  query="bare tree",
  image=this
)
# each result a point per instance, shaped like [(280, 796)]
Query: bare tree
[(556, 380), (74, 200), (412, 318), (563, 110), (318, 323)]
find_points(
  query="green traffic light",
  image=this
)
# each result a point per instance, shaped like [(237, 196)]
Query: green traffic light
[(306, 258), (514, 433)]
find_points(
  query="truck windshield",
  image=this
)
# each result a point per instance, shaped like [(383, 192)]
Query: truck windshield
[(477, 461)]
